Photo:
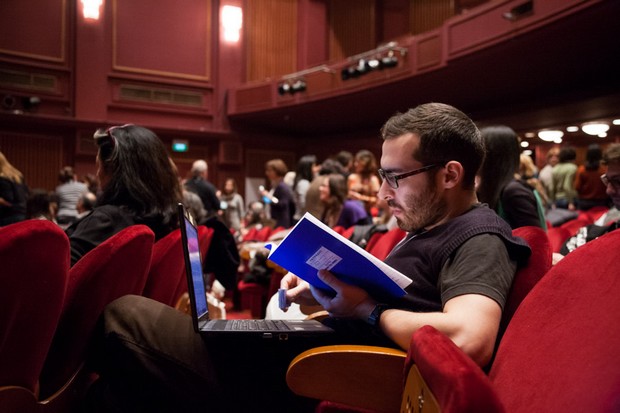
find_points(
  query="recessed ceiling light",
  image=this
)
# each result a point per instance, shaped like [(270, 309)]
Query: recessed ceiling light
[(530, 134), (528, 152), (595, 128), (616, 122), (602, 135), (550, 135), (525, 144), (572, 128)]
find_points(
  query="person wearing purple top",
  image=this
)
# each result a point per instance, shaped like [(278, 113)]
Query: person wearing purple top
[(340, 211)]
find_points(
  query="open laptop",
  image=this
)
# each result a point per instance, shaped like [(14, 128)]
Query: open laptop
[(266, 329)]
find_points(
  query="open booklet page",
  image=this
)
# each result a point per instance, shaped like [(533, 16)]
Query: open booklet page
[(311, 246)]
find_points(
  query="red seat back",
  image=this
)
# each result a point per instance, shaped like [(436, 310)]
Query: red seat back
[(116, 267), (528, 276), (167, 269), (387, 242), (561, 347), (34, 262), (557, 237)]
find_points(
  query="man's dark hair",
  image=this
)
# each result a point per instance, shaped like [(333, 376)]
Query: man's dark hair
[(567, 154), (445, 133)]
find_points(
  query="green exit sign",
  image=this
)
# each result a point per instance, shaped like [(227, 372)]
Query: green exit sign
[(180, 145)]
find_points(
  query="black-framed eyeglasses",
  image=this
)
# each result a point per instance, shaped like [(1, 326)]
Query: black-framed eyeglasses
[(392, 179), (614, 182)]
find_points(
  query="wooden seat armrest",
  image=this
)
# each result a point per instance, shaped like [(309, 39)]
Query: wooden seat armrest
[(362, 376)]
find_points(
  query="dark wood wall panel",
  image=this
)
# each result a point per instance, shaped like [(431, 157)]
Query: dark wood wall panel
[(172, 39), (256, 158), (270, 38), (37, 31), (429, 14), (352, 27), (39, 158)]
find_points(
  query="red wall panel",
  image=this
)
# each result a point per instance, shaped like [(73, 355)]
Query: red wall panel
[(172, 39), (38, 32)]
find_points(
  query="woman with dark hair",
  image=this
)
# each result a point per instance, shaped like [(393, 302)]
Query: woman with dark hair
[(590, 189), (139, 186), (499, 184), (340, 211), (304, 175)]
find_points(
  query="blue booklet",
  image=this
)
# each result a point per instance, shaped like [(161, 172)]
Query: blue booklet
[(312, 246)]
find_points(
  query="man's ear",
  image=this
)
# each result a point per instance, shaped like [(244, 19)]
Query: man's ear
[(453, 174)]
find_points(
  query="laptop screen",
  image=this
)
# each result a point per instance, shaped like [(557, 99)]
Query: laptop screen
[(195, 266)]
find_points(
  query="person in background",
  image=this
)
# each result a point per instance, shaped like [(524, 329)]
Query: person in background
[(91, 182), (546, 173), (591, 191), (345, 158), (85, 204), (363, 183), (529, 173), (304, 175), (313, 196), (13, 193), (200, 185), (232, 205), (563, 192), (67, 195), (611, 219), (281, 200), (499, 184), (39, 205), (338, 210), (139, 186)]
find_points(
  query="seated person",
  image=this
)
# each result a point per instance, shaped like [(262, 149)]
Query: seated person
[(461, 256), (338, 210), (609, 221), (500, 185), (139, 186)]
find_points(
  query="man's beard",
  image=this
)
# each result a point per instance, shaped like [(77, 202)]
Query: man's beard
[(420, 211)]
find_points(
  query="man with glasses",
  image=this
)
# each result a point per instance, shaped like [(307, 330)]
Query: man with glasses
[(608, 221), (461, 257)]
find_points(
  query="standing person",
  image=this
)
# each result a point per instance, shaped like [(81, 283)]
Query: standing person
[(139, 186), (13, 193), (500, 185), (338, 210), (67, 195), (563, 192), (232, 205), (591, 191), (363, 183), (345, 159), (461, 256), (546, 173), (305, 173), (282, 202), (200, 185)]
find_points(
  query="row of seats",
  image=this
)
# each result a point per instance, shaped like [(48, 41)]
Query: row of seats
[(557, 349), (50, 311)]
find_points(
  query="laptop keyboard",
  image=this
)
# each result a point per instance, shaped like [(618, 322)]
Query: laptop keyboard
[(257, 325)]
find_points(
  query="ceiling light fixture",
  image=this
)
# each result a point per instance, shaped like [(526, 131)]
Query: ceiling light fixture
[(595, 128), (530, 134), (525, 144), (616, 122), (550, 135), (572, 128)]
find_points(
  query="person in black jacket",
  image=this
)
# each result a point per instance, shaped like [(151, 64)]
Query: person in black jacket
[(139, 185), (199, 184)]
